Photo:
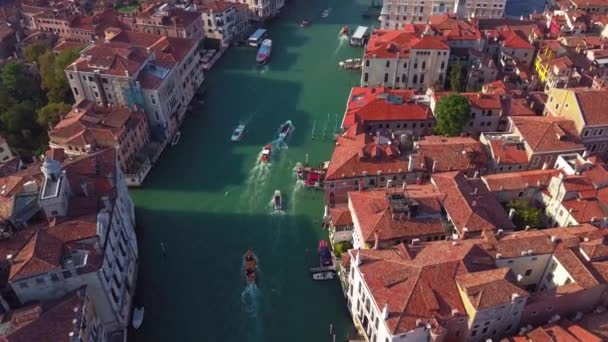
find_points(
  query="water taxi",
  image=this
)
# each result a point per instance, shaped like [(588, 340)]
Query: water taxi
[(352, 64), (344, 31), (238, 133), (285, 129), (323, 276), (264, 52), (266, 152), (277, 200), (324, 254), (250, 265)]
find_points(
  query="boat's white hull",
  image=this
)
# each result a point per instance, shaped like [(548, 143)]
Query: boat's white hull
[(323, 276)]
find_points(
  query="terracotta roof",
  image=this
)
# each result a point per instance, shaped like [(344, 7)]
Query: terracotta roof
[(381, 104), (374, 214), (353, 156), (575, 267), (590, 3), (514, 39), (519, 181), (47, 321), (451, 153), (340, 216), (42, 253), (561, 63), (593, 106), (171, 16), (585, 210), (390, 43), (469, 204), (490, 288), (214, 5), (548, 134), (94, 125), (508, 153)]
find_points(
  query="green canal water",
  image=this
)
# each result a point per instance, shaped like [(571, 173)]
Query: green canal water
[(208, 200)]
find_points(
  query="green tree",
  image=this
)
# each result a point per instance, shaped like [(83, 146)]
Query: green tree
[(49, 114), (525, 214), (452, 113), (456, 76), (52, 74), (34, 51), (16, 81), (19, 118)]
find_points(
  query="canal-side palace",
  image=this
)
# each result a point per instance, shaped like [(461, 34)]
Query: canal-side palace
[(466, 196)]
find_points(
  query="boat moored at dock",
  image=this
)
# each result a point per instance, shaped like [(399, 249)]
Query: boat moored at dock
[(264, 52), (324, 254), (323, 276), (351, 64)]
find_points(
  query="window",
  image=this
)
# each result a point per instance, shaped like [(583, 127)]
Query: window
[(385, 78), (484, 330), (23, 285), (66, 274), (442, 65), (76, 91), (365, 77), (388, 64), (421, 78), (404, 65), (367, 62), (415, 79), (474, 332), (54, 277), (508, 327), (528, 272), (71, 76), (423, 65)]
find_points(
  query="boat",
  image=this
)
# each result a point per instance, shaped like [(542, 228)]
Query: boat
[(264, 52), (353, 64), (266, 152), (305, 23), (285, 129), (344, 30), (250, 265), (323, 276), (138, 317), (314, 178), (238, 133), (277, 200), (176, 138), (324, 253), (299, 170), (325, 13)]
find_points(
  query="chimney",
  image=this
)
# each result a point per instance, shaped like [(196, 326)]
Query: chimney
[(511, 213), (410, 165), (465, 230), (376, 240), (554, 239), (514, 297), (499, 232), (454, 312), (385, 311)]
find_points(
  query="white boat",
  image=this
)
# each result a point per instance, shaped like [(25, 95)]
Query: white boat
[(238, 133), (354, 63), (176, 138), (285, 129), (323, 276), (264, 52), (325, 13), (138, 317), (277, 200)]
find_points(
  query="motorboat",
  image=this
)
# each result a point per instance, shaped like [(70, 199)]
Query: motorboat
[(305, 23), (176, 138), (324, 254), (266, 152), (250, 266), (264, 52), (354, 63), (323, 275), (238, 133), (314, 178), (277, 200), (138, 317), (299, 170), (325, 13), (285, 129), (344, 31)]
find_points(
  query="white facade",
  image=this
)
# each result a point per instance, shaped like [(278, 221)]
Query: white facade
[(226, 25), (395, 13), (480, 8), (112, 286), (262, 9), (420, 70)]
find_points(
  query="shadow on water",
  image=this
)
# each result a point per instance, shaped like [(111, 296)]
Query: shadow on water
[(204, 256)]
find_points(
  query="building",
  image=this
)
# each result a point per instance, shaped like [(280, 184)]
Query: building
[(456, 33), (469, 206), (494, 9), (486, 111), (70, 318), (481, 70), (166, 20), (519, 185), (590, 6), (90, 128), (476, 289), (383, 109), (396, 13), (515, 50), (445, 154), (586, 108), (262, 9), (73, 227), (532, 142), (578, 194), (157, 73), (564, 330), (384, 218), (340, 225), (224, 21), (397, 59), (362, 161)]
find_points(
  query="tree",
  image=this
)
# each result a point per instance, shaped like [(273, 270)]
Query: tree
[(456, 76), (34, 51), (49, 114), (452, 113), (52, 74), (525, 215), (19, 118)]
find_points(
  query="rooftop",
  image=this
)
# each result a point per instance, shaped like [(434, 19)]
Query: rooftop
[(442, 154), (546, 133)]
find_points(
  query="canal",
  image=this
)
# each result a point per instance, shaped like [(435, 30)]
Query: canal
[(208, 200)]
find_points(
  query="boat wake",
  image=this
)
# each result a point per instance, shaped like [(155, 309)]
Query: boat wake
[(342, 39), (251, 297), (264, 69), (256, 182), (298, 185)]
